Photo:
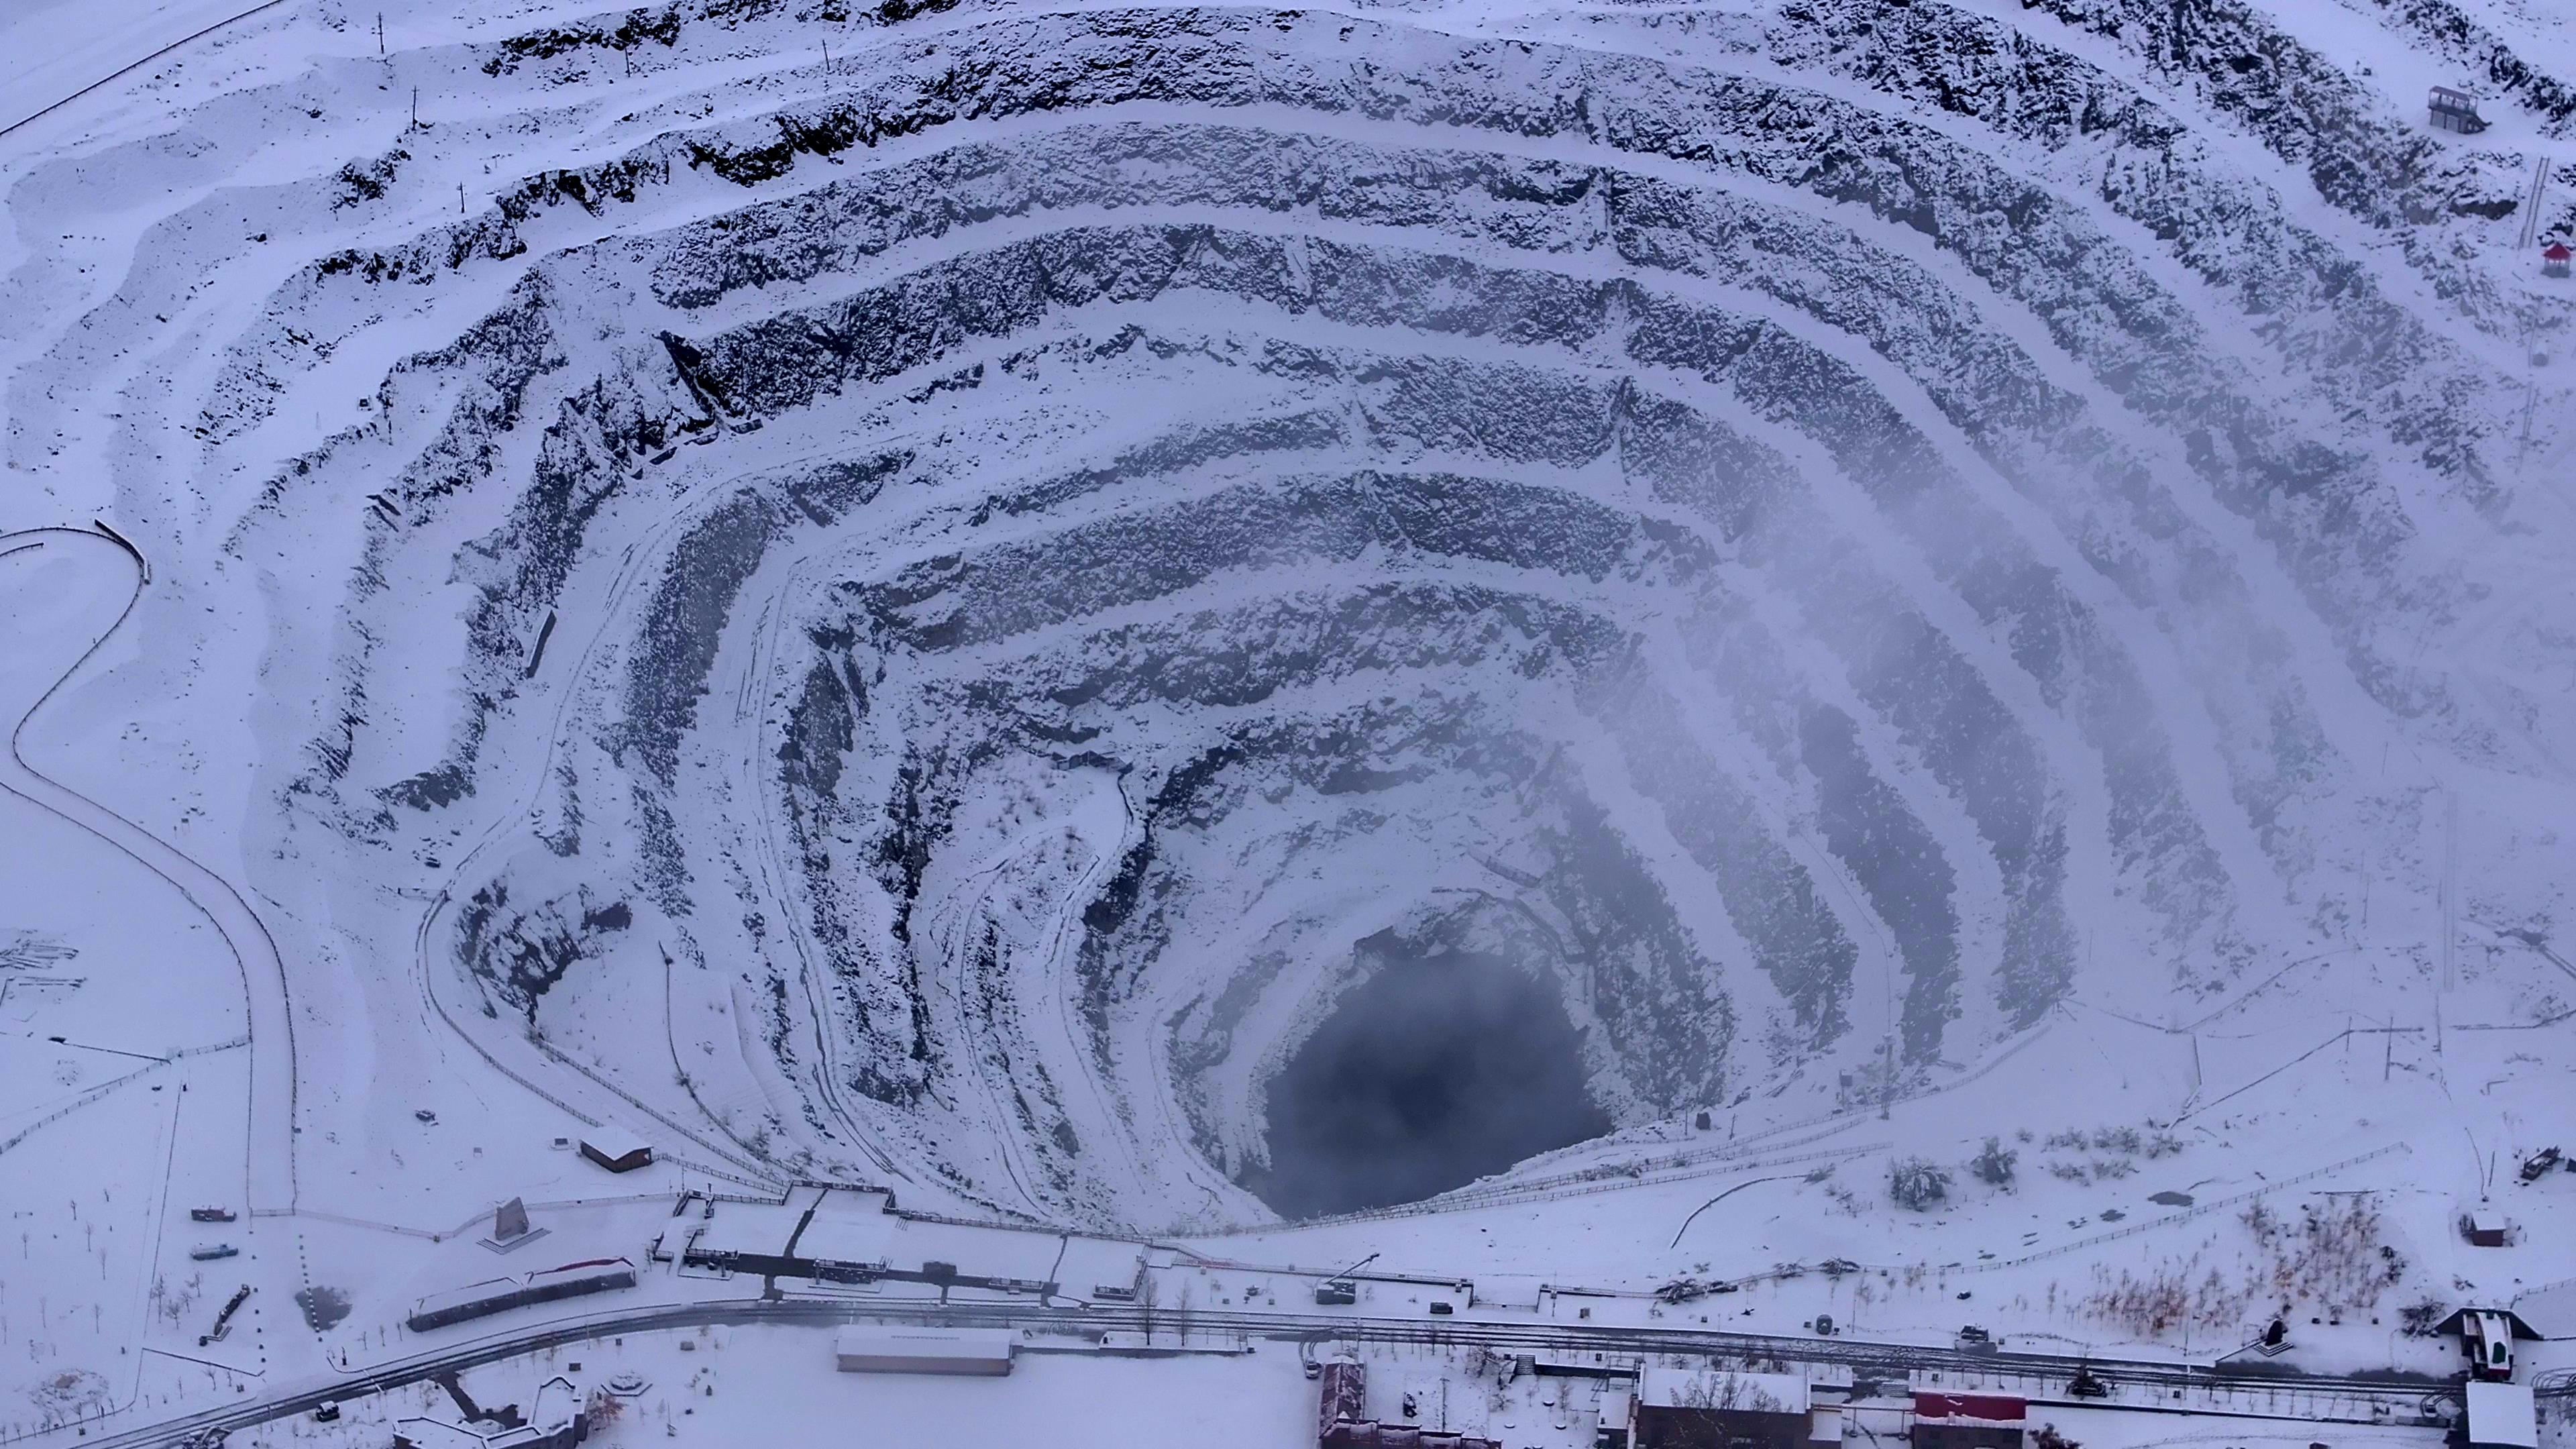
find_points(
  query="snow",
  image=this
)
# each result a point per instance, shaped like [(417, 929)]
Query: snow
[(1959, 582), (2502, 1415), (1665, 1388), (924, 1350), (50, 50)]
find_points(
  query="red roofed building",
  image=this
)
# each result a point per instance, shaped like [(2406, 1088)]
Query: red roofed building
[(1945, 1420), (2553, 259)]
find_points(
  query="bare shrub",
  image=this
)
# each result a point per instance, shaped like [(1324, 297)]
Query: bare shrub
[(1993, 1164), (2328, 1254), (1918, 1183)]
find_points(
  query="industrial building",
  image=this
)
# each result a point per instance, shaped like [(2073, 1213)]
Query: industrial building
[(893, 1349), (1717, 1409), (853, 1236), (557, 1420), (2502, 1416), (615, 1148), (1944, 1420), (1343, 1397), (1342, 1421), (1365, 1435), (497, 1295)]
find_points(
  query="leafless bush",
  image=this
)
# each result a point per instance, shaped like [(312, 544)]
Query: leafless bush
[(2170, 1295), (2328, 1254), (1993, 1164), (1918, 1183)]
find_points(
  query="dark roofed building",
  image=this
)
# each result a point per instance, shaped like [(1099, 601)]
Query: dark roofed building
[(1945, 1420), (2455, 110), (615, 1148), (1715, 1409)]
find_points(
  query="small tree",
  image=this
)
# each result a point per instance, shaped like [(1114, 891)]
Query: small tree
[(1918, 1183), (1994, 1162), (2049, 1438)]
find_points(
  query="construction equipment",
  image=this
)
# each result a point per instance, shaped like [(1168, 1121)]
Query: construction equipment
[(1342, 1289)]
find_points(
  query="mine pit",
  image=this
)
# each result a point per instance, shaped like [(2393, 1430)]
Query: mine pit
[(1435, 1071)]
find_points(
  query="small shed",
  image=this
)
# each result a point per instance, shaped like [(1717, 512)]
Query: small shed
[(2454, 110), (1716, 1409), (1946, 1420), (893, 1349), (2487, 1228), (615, 1148), (2502, 1416), (2554, 258)]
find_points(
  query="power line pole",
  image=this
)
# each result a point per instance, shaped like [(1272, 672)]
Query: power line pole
[(380, 35)]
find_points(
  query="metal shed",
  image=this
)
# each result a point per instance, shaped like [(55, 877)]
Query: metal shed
[(891, 1349)]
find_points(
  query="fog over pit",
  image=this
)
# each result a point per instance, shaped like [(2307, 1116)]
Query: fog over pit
[(910, 614)]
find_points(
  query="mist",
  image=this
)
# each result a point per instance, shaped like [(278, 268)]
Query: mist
[(1437, 1070)]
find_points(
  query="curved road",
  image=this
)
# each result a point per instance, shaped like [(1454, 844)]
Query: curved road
[(270, 1173)]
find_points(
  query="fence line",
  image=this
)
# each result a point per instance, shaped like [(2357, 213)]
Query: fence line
[(2170, 1219), (94, 1094)]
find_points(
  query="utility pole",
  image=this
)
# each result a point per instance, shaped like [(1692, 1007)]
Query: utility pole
[(415, 110), (380, 35)]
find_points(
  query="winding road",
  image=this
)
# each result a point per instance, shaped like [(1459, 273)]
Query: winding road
[(270, 1185)]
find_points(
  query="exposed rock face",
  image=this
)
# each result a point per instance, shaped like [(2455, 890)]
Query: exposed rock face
[(971, 581)]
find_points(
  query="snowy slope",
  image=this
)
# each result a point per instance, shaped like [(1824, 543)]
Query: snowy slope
[(899, 614)]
